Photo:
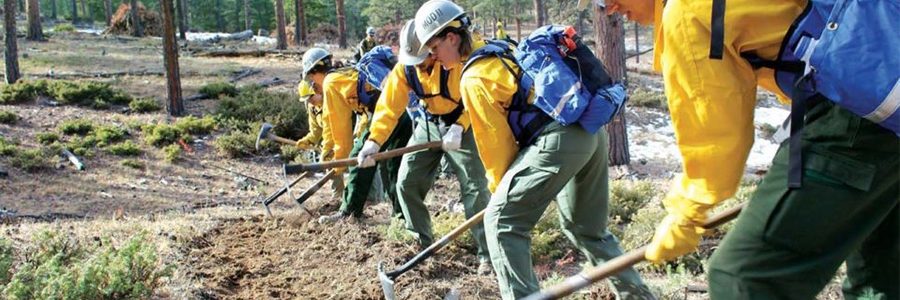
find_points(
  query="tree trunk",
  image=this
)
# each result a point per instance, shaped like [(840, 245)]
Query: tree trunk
[(84, 12), (610, 35), (182, 26), (342, 33), (74, 12), (53, 10), (136, 29), (281, 36), (538, 12), (220, 22), (238, 6), (107, 4), (299, 24), (247, 21), (187, 14), (35, 32), (20, 5), (12, 52), (174, 105)]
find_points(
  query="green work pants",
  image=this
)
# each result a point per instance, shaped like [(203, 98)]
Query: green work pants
[(359, 180), (569, 164), (788, 243), (418, 172)]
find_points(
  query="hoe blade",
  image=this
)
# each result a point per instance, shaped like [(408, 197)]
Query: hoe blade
[(387, 285)]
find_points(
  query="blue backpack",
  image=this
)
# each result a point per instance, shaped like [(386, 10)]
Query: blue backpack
[(847, 51), (844, 50), (417, 109), (373, 67), (570, 84)]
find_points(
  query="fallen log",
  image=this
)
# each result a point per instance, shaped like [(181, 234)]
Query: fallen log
[(245, 53), (244, 74)]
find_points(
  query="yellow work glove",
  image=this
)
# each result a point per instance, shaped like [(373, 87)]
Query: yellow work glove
[(304, 144), (679, 232)]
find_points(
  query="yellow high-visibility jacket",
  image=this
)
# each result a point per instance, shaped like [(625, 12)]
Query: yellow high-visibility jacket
[(341, 102), (712, 101), (395, 97), (487, 91)]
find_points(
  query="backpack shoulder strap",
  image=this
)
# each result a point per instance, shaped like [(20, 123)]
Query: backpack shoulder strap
[(412, 79)]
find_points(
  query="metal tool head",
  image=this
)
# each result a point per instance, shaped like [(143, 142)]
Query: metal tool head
[(387, 284), (263, 133)]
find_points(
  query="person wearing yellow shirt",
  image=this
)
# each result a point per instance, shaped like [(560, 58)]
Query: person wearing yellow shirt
[(342, 101), (315, 139), (500, 34), (788, 241), (562, 162), (419, 82)]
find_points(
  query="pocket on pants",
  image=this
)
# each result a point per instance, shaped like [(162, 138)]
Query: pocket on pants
[(526, 184), (819, 215)]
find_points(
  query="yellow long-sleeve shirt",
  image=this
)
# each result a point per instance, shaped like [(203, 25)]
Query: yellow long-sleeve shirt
[(314, 121), (487, 91), (341, 102), (712, 101), (395, 97)]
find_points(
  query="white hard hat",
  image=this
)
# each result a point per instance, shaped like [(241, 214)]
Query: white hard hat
[(410, 47), (314, 57), (434, 16), (370, 30)]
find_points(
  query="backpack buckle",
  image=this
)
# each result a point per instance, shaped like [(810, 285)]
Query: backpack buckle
[(566, 42)]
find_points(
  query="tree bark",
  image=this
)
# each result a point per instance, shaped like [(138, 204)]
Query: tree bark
[(342, 30), (12, 52), (85, 13), (53, 10), (299, 24), (247, 21), (220, 22), (610, 36), (174, 105), (74, 12), (182, 26), (281, 36), (35, 32), (538, 12), (21, 5), (136, 29), (107, 5)]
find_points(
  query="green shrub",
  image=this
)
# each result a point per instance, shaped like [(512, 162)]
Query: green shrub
[(76, 126), (106, 135), (133, 163), (648, 98), (8, 117), (63, 268), (7, 148), (547, 240), (255, 104), (64, 27), (30, 160), (6, 261), (219, 89), (445, 222), (161, 134), (144, 105), (236, 144), (396, 231), (22, 91), (97, 95), (47, 138), (87, 93), (290, 152), (128, 148), (82, 146), (196, 126), (627, 197), (171, 153)]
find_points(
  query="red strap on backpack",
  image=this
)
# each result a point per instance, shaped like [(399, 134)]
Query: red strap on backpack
[(567, 41)]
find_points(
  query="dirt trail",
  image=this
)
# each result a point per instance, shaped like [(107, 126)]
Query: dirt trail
[(294, 257)]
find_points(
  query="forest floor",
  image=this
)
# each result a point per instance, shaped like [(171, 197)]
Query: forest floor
[(207, 222)]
